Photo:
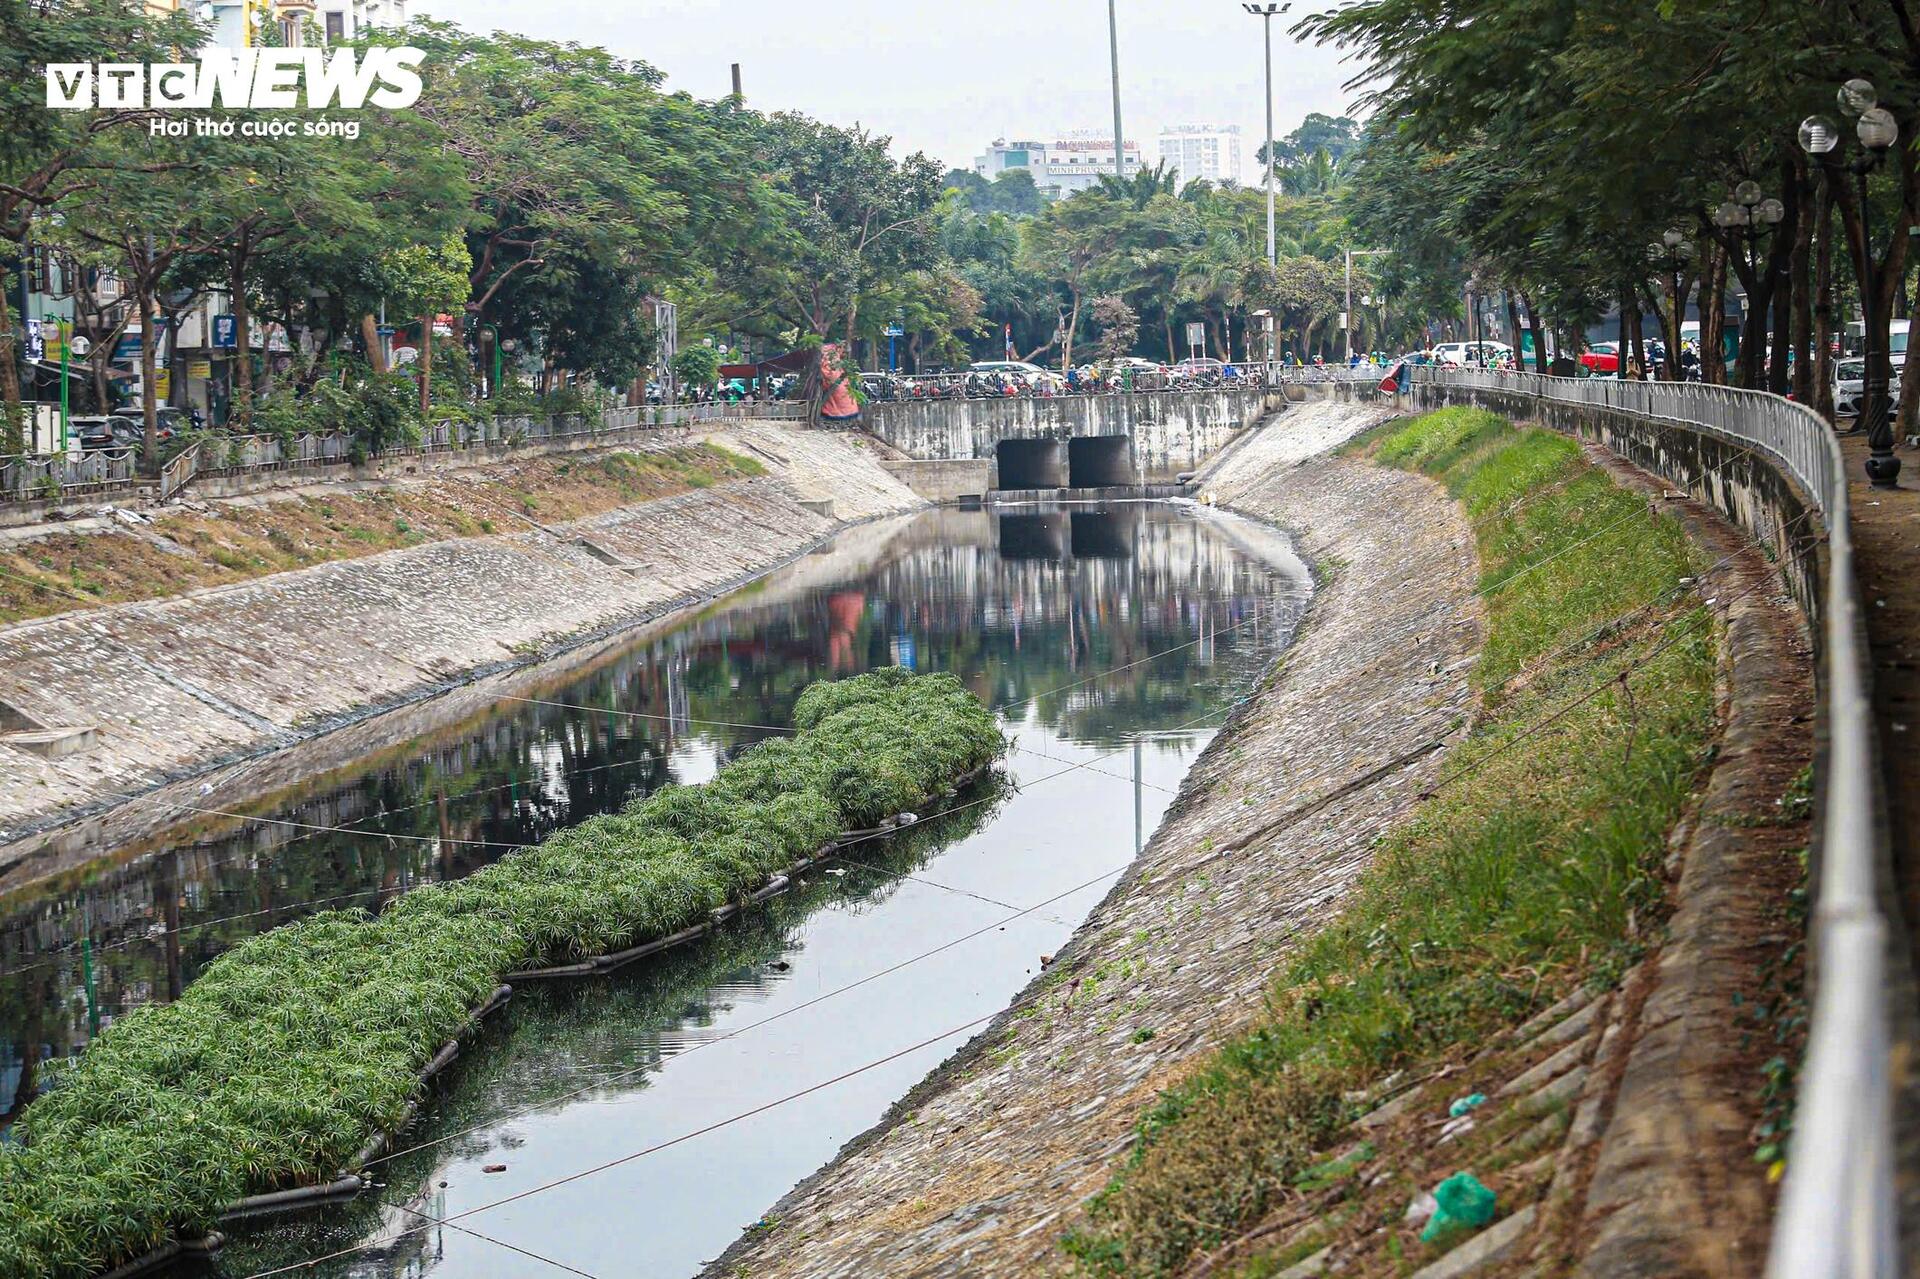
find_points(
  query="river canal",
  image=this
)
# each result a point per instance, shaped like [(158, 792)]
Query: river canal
[(1113, 639)]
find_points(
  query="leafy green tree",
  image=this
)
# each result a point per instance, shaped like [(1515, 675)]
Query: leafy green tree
[(55, 160), (697, 365)]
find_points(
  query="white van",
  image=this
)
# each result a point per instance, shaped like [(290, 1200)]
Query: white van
[(1475, 353)]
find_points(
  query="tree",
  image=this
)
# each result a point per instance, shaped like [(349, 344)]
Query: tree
[(856, 220), (50, 158), (1119, 327), (1011, 191), (697, 365)]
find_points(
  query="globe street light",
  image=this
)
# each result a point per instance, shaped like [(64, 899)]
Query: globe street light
[(1877, 131), (1266, 12)]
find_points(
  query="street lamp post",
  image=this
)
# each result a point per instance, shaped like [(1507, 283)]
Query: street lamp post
[(493, 341), (1266, 12), (1750, 214), (1351, 254), (1877, 131), (1119, 139), (1671, 256)]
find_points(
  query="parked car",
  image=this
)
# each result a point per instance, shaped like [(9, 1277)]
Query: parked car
[(1601, 357), (1849, 382), (1031, 374), (882, 387), (108, 431), (1146, 375)]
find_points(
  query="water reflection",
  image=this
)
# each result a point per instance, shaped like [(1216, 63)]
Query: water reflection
[(1022, 603)]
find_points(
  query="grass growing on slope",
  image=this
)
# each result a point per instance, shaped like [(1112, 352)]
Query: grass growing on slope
[(1537, 869), (293, 1048)]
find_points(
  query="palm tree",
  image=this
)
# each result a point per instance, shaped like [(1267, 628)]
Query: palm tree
[(1140, 189)]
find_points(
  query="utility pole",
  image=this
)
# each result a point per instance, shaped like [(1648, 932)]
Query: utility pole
[(736, 82), (1119, 138), (1266, 12)]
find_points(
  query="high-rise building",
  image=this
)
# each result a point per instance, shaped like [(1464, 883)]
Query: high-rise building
[(1210, 151), (1061, 167)]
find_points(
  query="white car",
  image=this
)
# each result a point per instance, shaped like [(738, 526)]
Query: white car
[(1474, 353), (1031, 374), (1849, 381)]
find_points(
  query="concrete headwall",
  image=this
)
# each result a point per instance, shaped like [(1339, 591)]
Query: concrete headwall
[(944, 481), (1169, 433)]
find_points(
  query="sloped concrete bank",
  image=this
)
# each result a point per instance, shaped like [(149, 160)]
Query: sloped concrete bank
[(973, 1172), (246, 677)]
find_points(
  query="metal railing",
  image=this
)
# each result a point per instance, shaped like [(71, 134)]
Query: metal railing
[(32, 476), (1837, 1214), (1248, 376)]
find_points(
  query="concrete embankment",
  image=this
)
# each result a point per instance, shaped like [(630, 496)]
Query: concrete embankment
[(178, 687), (974, 1172)]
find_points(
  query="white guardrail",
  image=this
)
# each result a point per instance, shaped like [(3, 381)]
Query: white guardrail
[(1837, 1216)]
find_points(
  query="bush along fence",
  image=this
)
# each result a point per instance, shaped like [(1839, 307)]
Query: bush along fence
[(309, 1043)]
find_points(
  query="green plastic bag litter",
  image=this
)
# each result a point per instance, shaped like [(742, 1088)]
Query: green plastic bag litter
[(1465, 1204), (1467, 1105)]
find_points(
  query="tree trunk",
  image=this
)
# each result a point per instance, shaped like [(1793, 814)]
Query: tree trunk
[(242, 339), (1823, 305), (1073, 325), (1800, 335), (149, 409), (1539, 334), (1513, 326), (1779, 372), (1625, 346), (1713, 317), (13, 429), (376, 349), (426, 361)]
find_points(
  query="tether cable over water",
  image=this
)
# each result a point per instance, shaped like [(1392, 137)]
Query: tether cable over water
[(642, 1153), (943, 947)]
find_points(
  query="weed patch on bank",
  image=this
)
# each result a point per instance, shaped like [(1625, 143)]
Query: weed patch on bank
[(1533, 867), (298, 1045)]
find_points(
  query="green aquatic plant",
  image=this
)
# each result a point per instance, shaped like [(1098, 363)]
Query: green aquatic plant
[(298, 1045)]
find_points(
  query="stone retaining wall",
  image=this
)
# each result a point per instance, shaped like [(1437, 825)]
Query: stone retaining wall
[(183, 685)]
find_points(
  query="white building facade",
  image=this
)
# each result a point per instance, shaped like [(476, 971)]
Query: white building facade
[(1061, 167), (1210, 151)]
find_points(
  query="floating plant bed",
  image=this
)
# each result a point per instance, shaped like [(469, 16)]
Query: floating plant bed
[(297, 1050)]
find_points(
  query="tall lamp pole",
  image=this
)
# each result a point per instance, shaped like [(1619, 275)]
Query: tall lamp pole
[(1348, 314), (1119, 139), (1266, 12), (1877, 130)]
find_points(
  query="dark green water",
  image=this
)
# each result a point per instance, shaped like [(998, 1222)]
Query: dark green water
[(1113, 640)]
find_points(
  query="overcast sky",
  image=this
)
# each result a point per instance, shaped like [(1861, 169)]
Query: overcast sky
[(948, 78)]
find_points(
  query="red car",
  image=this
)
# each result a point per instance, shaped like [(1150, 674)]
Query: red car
[(1601, 357)]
